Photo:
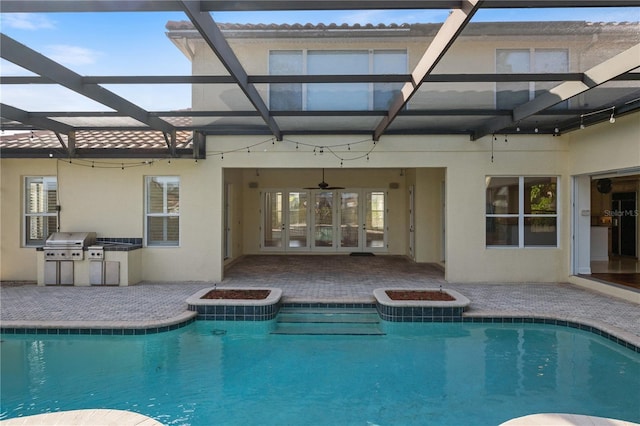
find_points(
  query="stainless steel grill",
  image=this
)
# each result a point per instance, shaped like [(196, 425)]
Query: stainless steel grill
[(68, 245)]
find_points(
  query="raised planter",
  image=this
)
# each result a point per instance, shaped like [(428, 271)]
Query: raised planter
[(420, 308), (230, 308)]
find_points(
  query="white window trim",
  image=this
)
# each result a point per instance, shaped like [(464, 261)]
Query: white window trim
[(164, 214), (25, 209), (521, 215)]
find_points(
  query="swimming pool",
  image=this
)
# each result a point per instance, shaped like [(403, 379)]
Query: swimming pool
[(435, 373)]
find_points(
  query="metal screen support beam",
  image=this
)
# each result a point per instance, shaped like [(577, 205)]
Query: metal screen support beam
[(43, 6), (447, 34), (170, 140), (210, 32), (35, 62), (16, 114), (595, 76), (199, 143), (71, 144)]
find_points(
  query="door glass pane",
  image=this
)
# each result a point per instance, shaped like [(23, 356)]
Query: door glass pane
[(298, 219), (273, 219), (375, 219), (323, 219), (349, 223)]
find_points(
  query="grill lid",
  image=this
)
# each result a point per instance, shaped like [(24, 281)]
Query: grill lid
[(71, 239)]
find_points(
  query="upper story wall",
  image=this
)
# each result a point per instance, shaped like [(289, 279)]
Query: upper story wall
[(475, 51)]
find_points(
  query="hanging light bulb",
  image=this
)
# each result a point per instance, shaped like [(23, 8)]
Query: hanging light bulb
[(612, 119)]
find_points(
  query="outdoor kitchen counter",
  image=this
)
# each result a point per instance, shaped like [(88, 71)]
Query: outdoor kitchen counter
[(126, 256)]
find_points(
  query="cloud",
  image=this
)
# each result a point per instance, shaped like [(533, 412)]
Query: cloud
[(72, 55), (27, 21)]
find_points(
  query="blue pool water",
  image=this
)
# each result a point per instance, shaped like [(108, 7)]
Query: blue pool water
[(418, 374)]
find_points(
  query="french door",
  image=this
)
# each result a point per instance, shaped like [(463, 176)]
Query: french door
[(324, 220), (285, 218)]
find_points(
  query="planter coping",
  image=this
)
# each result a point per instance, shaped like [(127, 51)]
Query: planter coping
[(273, 297), (459, 302)]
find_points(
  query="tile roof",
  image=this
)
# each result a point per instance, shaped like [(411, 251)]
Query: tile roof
[(186, 28), (86, 139)]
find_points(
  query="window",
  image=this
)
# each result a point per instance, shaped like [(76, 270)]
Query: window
[(334, 96), (40, 209), (521, 211), (511, 94), (163, 210)]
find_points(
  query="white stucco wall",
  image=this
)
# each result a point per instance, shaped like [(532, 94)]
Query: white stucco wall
[(605, 147), (111, 201)]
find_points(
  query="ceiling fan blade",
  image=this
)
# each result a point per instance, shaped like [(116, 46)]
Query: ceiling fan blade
[(324, 185)]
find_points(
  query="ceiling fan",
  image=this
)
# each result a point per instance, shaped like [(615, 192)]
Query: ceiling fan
[(324, 185)]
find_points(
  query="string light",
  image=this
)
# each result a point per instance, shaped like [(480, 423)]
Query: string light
[(612, 118)]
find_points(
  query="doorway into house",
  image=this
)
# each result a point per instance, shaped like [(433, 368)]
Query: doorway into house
[(345, 220), (606, 208)]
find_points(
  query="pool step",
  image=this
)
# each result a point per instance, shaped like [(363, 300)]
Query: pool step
[(328, 321)]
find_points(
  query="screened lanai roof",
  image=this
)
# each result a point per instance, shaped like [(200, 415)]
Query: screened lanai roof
[(150, 92)]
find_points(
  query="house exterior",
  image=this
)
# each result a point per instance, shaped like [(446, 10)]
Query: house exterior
[(518, 206)]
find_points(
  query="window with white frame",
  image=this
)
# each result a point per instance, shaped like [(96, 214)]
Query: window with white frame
[(521, 211), (509, 61), (334, 96), (162, 210), (40, 209)]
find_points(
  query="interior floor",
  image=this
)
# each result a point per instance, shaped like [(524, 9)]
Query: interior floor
[(619, 270)]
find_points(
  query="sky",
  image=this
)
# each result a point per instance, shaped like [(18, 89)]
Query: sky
[(135, 44)]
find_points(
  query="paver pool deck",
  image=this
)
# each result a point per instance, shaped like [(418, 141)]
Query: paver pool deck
[(323, 279)]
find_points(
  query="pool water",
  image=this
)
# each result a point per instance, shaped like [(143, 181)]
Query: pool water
[(236, 373)]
